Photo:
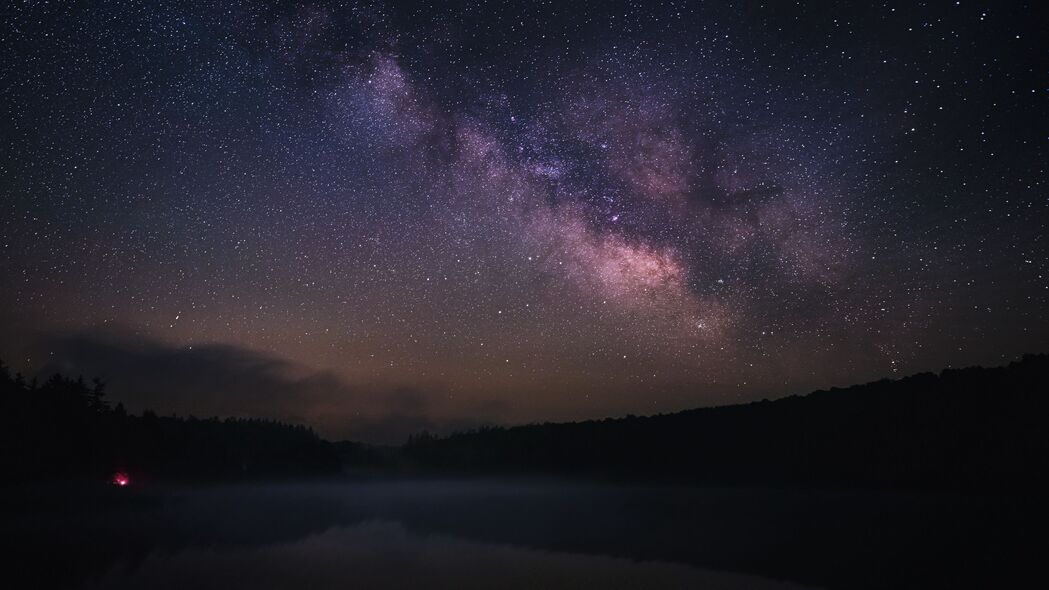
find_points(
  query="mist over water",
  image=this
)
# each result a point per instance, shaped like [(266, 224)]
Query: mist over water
[(508, 533)]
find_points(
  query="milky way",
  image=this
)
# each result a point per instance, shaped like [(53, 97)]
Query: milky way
[(385, 217)]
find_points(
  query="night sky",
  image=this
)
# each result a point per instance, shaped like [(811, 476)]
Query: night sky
[(382, 217)]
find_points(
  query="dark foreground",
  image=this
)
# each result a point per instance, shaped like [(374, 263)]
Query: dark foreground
[(514, 533)]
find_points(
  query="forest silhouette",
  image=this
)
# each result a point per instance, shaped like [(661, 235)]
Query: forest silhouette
[(963, 428), (65, 428)]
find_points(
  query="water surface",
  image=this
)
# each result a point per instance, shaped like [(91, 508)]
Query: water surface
[(512, 534)]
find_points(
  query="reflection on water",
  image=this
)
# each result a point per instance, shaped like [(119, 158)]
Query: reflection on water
[(512, 534), (386, 555)]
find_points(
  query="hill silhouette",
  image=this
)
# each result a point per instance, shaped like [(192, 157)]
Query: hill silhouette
[(962, 428), (973, 427)]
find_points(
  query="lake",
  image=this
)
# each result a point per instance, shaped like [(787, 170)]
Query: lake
[(512, 534)]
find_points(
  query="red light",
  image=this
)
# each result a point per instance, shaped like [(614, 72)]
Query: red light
[(121, 479)]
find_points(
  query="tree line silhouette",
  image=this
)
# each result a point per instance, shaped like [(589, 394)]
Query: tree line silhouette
[(65, 428), (973, 427)]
